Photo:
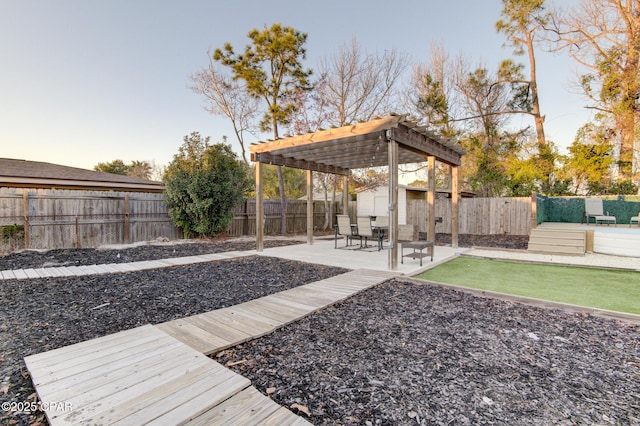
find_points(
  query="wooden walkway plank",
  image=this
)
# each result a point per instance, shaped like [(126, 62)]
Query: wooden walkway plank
[(65, 271), (330, 288), (243, 314), (204, 401), (72, 365), (147, 408), (244, 324), (65, 388), (8, 275), (353, 282), (82, 348), (30, 273), (308, 297), (253, 308), (295, 302), (178, 261), (42, 272), (194, 336), (276, 312), (100, 269), (118, 402), (120, 392), (143, 265), (284, 417), (60, 271), (74, 271), (215, 256), (85, 270), (110, 268), (284, 305), (178, 400), (234, 254), (248, 407), (48, 272), (20, 274), (230, 334)]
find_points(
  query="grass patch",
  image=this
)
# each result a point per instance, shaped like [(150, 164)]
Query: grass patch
[(595, 288)]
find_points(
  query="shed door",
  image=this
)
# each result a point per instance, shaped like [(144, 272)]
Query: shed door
[(381, 205)]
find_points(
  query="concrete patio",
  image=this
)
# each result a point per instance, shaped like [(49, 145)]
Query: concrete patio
[(322, 251)]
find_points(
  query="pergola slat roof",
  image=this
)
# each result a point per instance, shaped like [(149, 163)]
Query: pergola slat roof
[(357, 146)]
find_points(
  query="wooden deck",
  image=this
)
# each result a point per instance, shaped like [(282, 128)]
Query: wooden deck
[(161, 375), (578, 239)]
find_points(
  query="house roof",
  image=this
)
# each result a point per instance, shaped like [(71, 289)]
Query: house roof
[(358, 146), (35, 174)]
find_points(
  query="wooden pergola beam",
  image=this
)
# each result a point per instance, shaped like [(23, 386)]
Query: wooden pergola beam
[(336, 134), (276, 160), (420, 143)]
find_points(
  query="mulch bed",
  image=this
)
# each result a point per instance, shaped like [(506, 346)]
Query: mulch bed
[(407, 353), (43, 314), (401, 353), (153, 251)]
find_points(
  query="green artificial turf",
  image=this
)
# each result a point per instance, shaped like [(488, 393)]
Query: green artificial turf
[(595, 288)]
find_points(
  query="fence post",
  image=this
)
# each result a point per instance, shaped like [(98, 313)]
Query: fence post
[(25, 212), (77, 233), (534, 210), (127, 224)]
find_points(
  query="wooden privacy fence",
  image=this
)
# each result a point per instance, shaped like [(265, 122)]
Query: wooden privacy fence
[(479, 216), (49, 218), (244, 220)]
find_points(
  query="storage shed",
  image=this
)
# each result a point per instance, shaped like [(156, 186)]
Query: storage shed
[(374, 201)]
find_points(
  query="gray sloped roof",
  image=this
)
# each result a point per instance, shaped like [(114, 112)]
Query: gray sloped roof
[(37, 174)]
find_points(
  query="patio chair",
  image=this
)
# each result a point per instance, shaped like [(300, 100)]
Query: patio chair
[(365, 230), (381, 229), (635, 219), (593, 209), (344, 228)]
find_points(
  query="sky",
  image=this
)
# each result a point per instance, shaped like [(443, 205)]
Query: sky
[(84, 82)]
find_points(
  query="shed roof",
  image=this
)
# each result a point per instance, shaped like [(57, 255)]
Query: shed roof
[(37, 174), (339, 150)]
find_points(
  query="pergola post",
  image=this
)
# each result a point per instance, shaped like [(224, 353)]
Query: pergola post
[(455, 196), (259, 208), (309, 207), (345, 195), (431, 198), (393, 204)]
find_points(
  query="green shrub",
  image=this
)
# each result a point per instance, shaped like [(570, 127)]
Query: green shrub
[(203, 185)]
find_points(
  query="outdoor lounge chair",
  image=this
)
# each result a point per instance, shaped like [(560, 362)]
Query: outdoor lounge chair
[(593, 209), (344, 229), (635, 219)]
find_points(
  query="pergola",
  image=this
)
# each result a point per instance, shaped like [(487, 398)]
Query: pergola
[(388, 141)]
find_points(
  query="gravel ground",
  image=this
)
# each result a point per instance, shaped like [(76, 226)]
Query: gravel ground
[(401, 353)]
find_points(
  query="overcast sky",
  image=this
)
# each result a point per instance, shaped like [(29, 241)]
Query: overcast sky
[(84, 82)]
